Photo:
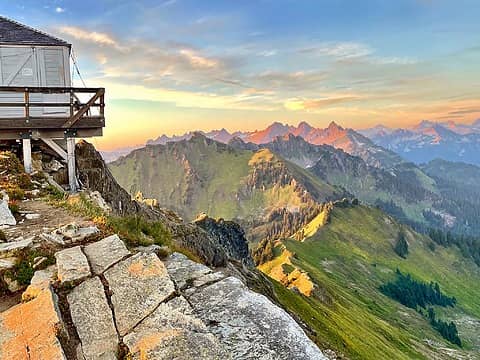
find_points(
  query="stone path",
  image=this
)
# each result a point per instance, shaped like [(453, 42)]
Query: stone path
[(50, 218), (122, 303)]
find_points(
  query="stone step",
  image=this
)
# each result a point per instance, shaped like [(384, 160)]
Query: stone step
[(93, 320), (138, 285), (72, 265), (104, 253)]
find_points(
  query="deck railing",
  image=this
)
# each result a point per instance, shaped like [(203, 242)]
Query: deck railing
[(71, 112)]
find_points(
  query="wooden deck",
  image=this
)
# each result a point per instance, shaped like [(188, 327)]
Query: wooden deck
[(73, 118)]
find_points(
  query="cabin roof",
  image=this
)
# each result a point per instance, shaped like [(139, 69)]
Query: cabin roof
[(14, 33)]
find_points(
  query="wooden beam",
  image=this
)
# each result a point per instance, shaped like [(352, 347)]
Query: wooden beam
[(27, 155), (49, 90), (55, 147), (51, 122), (49, 133)]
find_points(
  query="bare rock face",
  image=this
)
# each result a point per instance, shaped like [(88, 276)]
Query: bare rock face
[(169, 333), (138, 285), (93, 320), (30, 330), (250, 325), (229, 235), (104, 253), (72, 265)]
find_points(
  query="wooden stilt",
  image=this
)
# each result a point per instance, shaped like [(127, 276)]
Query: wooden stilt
[(27, 155), (72, 176)]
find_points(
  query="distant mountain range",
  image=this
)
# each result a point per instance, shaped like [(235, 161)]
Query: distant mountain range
[(379, 146), (348, 140), (430, 140)]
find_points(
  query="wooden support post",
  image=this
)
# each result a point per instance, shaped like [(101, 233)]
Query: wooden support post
[(72, 174), (27, 155)]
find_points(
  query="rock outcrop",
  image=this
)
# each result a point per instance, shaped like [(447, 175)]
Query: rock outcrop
[(229, 235), (136, 306)]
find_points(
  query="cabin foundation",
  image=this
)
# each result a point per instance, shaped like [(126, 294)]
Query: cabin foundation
[(27, 155)]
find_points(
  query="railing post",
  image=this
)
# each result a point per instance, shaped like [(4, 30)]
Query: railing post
[(27, 105), (71, 103), (102, 105)]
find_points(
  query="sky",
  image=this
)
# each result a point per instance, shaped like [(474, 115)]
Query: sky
[(171, 66)]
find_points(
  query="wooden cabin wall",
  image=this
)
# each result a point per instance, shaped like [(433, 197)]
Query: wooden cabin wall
[(34, 66)]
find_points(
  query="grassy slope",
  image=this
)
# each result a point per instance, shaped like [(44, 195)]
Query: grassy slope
[(161, 173), (348, 259)]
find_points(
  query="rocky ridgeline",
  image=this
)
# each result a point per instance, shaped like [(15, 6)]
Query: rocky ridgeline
[(103, 301)]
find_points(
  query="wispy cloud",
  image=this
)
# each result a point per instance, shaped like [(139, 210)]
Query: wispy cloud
[(312, 104), (59, 9), (197, 60), (97, 38), (169, 2), (339, 50), (169, 65)]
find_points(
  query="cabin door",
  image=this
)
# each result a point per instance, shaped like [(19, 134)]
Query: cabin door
[(53, 74)]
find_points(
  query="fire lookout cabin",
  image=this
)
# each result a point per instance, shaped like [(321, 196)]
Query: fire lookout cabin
[(37, 100)]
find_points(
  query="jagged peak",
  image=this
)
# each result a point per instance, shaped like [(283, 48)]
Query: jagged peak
[(304, 125), (425, 124), (198, 135), (334, 126)]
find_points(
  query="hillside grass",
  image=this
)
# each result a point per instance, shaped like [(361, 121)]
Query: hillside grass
[(349, 259)]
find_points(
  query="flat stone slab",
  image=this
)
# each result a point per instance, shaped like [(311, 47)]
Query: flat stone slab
[(72, 265), (9, 248), (183, 270), (169, 333), (93, 320), (104, 253), (250, 325), (35, 326), (70, 234), (138, 285)]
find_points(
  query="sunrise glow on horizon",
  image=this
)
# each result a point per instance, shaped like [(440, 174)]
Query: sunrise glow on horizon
[(175, 66)]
